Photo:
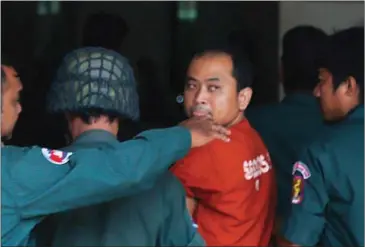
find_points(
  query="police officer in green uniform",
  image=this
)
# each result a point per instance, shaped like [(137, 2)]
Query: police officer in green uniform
[(288, 126), (156, 217), (37, 182), (328, 178)]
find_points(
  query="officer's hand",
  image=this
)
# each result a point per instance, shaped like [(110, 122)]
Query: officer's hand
[(203, 130)]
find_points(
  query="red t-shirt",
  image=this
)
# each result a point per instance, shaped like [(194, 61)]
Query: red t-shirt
[(234, 186)]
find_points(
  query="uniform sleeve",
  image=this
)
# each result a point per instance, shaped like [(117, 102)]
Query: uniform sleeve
[(178, 228), (40, 187), (196, 173), (304, 225)]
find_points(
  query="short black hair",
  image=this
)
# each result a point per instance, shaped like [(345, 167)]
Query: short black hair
[(346, 57), (104, 30), (304, 51), (242, 66), (94, 113)]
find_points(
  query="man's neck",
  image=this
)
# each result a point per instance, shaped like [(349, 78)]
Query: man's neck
[(237, 119), (81, 128)]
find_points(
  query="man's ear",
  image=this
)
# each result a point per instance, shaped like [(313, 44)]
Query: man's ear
[(350, 87), (244, 98)]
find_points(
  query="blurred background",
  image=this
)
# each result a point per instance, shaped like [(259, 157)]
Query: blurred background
[(159, 39)]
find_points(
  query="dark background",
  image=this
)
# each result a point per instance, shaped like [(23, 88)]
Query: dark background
[(36, 41)]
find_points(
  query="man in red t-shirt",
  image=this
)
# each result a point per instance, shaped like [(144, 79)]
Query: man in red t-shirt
[(231, 193)]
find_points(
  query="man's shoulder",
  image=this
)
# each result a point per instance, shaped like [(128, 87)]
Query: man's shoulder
[(9, 151), (244, 137), (14, 154), (338, 135), (334, 145)]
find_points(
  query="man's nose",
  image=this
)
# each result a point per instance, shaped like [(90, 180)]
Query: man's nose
[(201, 96)]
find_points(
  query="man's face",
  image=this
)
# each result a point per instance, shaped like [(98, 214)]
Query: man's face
[(10, 101), (211, 90), (333, 102)]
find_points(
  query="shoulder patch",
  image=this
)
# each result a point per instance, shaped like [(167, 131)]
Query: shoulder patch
[(297, 193), (56, 157), (302, 169)]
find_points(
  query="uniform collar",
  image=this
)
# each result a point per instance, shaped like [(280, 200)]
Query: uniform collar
[(94, 136), (356, 113)]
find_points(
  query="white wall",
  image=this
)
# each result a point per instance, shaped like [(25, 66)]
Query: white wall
[(329, 16)]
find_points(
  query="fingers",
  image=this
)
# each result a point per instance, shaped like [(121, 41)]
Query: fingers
[(192, 120), (206, 125), (221, 129), (221, 133), (221, 137)]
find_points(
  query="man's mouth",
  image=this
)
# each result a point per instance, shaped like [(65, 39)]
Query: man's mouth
[(200, 113)]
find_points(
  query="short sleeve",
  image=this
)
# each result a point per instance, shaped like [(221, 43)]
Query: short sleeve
[(304, 224)]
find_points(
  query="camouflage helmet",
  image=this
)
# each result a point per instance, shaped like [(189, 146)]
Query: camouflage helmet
[(94, 78)]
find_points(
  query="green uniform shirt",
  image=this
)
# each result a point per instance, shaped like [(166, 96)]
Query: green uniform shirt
[(286, 128), (37, 182), (328, 188), (156, 217)]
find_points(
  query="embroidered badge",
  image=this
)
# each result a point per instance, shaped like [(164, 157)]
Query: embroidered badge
[(298, 185), (56, 156), (302, 169)]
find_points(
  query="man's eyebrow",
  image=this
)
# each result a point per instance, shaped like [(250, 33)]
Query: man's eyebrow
[(190, 78), (213, 79)]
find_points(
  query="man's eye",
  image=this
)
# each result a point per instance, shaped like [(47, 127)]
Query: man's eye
[(190, 85), (213, 88)]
